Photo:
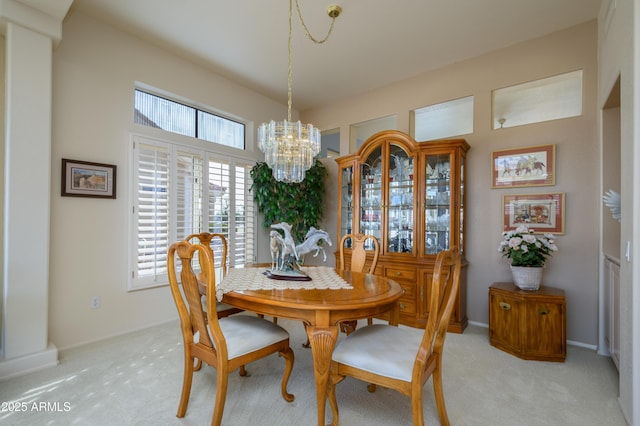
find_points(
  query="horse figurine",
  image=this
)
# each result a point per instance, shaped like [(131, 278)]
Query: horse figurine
[(288, 244), (275, 245), (310, 243)]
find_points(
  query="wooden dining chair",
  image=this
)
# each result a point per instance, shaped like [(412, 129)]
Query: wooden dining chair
[(403, 358), (359, 260), (216, 243), (224, 343)]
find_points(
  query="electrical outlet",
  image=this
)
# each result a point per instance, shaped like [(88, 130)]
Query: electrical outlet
[(95, 302)]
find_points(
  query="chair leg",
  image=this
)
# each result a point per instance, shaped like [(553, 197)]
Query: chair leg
[(221, 396), (348, 327), (242, 371), (370, 321), (416, 405), (186, 384), (288, 367), (439, 395), (334, 379)]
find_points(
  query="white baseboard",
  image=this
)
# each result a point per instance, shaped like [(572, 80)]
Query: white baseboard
[(14, 367)]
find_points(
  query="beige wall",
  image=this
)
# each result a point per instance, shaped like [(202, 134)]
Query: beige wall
[(575, 267), (94, 72)]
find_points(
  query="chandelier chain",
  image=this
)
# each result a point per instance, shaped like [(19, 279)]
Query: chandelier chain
[(289, 74), (310, 37), (308, 33)]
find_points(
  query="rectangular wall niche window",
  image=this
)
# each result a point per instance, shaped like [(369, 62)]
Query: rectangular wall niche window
[(547, 99), (443, 120), (360, 132)]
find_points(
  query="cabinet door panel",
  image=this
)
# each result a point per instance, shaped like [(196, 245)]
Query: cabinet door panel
[(399, 202), (371, 195), (505, 321), (438, 203), (544, 334), (345, 201)]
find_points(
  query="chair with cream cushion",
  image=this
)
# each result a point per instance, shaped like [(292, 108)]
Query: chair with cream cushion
[(403, 358), (226, 343)]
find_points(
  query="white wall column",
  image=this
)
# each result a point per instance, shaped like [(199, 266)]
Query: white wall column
[(29, 36), (26, 206)]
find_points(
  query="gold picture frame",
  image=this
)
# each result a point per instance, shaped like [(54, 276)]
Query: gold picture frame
[(542, 213), (528, 166)]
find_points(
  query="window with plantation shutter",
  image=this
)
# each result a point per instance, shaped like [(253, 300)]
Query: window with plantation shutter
[(245, 218), (151, 215), (180, 191)]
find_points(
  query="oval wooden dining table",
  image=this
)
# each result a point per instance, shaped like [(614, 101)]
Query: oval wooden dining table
[(321, 310)]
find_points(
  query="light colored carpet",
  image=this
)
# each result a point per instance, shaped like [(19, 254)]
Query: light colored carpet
[(136, 380)]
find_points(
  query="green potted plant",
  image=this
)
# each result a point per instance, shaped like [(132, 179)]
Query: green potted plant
[(298, 204), (527, 254)]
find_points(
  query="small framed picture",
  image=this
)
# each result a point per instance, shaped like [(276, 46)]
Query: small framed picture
[(541, 212), (530, 166), (86, 179)]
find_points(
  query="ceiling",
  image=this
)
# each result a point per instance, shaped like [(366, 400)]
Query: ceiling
[(374, 42)]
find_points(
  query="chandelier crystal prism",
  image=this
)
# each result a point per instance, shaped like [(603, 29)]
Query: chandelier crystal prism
[(290, 148)]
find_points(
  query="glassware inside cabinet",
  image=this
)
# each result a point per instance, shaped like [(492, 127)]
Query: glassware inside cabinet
[(400, 204), (346, 201), (371, 196), (437, 203)]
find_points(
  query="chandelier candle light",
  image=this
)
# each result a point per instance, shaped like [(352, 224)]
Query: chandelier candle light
[(290, 148)]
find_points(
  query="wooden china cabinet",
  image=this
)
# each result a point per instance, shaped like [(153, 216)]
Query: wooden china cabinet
[(411, 196)]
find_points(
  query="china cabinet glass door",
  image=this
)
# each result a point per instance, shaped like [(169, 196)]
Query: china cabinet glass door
[(399, 201), (346, 200), (437, 203), (371, 196)]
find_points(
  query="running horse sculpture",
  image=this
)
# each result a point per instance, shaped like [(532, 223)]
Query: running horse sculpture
[(310, 243), (286, 254)]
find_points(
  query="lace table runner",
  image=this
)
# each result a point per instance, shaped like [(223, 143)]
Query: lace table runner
[(322, 277)]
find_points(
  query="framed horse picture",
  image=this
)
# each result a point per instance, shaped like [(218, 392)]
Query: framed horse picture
[(529, 166)]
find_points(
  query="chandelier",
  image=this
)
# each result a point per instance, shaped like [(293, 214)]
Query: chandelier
[(290, 148)]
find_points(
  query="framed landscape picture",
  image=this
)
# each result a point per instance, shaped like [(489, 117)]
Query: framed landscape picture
[(530, 166), (86, 179), (541, 212)]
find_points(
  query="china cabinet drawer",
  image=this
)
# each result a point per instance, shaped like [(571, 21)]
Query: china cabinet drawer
[(401, 273), (409, 291), (407, 305)]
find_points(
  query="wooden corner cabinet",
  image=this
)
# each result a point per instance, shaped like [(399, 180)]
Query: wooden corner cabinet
[(410, 196), (528, 324)]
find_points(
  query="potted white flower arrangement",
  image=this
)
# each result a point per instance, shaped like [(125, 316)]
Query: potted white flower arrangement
[(527, 254)]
